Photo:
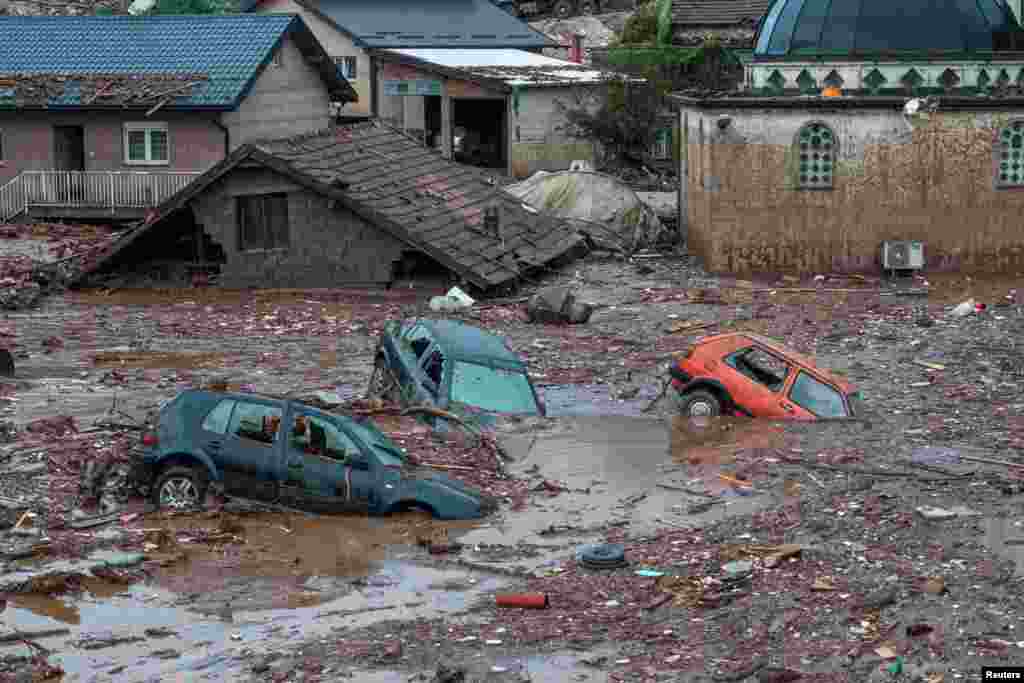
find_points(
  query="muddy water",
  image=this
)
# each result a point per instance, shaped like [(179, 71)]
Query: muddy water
[(628, 471), (594, 400), (207, 612), (1004, 536)]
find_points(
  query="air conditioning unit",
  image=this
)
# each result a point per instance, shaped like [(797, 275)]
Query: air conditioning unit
[(902, 255)]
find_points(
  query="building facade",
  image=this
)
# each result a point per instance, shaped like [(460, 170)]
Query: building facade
[(841, 139)]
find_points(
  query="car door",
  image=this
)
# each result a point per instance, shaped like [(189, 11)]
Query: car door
[(756, 378), (411, 348), (213, 432), (318, 465), (812, 398), (249, 452)]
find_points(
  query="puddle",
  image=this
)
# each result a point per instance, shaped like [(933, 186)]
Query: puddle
[(619, 469), (154, 360), (137, 627), (594, 400)]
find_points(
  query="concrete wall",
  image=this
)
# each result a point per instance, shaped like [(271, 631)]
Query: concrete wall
[(196, 142), (336, 43), (285, 100), (931, 178), (327, 247), (537, 143)]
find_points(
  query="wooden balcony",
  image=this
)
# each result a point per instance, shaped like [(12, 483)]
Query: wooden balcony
[(89, 195)]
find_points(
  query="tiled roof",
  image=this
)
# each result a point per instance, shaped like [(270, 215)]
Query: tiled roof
[(428, 23), (405, 189), (228, 49), (717, 12)]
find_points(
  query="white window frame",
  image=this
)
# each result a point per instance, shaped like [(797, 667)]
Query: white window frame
[(146, 127), (345, 62)]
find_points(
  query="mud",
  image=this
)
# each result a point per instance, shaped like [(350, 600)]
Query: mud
[(366, 600)]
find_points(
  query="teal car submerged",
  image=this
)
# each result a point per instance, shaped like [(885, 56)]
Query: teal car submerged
[(284, 451)]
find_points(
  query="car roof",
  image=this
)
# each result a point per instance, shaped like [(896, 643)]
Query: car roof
[(799, 358), (469, 343), (249, 396)]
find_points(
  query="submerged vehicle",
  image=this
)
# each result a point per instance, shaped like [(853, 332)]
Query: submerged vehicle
[(285, 451), (451, 365), (751, 375)]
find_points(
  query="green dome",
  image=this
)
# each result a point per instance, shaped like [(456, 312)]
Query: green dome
[(800, 28)]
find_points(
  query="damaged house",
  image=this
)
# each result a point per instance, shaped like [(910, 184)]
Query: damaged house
[(498, 109), (359, 204), (865, 136), (351, 29), (104, 117)]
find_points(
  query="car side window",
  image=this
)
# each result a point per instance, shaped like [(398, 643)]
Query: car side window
[(760, 366), (316, 436), (217, 419), (419, 340), (817, 397), (255, 422), (434, 366)]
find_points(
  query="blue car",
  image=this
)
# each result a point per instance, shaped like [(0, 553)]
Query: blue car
[(451, 366), (285, 451)]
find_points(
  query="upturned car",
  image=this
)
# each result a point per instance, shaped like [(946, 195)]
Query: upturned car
[(750, 375), (284, 451), (451, 366)]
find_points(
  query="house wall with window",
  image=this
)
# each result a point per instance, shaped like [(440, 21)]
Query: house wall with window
[(276, 233), (288, 98), (188, 141), (338, 45), (812, 189)]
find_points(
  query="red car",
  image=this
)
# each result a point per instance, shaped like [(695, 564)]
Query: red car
[(750, 375)]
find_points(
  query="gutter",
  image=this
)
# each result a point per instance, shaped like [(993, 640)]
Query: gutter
[(227, 136)]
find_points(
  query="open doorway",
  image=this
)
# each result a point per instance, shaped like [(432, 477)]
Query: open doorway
[(479, 132), (68, 155), (432, 120)]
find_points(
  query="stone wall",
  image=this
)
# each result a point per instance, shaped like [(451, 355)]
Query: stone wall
[(328, 247), (929, 177)]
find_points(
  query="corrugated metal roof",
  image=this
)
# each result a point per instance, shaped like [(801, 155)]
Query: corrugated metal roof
[(228, 49), (406, 189), (514, 67), (717, 12), (429, 23)]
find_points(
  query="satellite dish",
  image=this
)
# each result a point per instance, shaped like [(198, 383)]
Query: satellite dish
[(141, 6)]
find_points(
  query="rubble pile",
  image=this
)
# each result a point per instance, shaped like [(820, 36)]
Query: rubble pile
[(42, 258), (96, 89)]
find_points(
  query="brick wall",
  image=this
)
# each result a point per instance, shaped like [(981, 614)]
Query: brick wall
[(328, 247), (930, 178)]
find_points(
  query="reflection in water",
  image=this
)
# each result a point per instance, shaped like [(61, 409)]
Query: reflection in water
[(706, 444)]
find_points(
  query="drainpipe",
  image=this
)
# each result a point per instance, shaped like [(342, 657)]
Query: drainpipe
[(227, 136)]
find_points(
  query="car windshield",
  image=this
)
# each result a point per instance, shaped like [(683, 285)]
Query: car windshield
[(387, 452), (817, 397), (492, 389)]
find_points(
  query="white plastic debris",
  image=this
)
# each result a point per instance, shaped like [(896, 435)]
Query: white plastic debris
[(965, 308), (454, 300)]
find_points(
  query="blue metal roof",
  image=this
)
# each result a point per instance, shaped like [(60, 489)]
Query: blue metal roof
[(427, 23), (228, 49)]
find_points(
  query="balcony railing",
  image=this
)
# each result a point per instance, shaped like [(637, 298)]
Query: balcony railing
[(111, 190)]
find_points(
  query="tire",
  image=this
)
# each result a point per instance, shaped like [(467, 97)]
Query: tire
[(180, 488), (700, 403), (563, 9), (382, 383), (590, 7)]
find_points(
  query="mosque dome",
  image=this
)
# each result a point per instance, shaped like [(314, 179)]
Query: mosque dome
[(801, 29)]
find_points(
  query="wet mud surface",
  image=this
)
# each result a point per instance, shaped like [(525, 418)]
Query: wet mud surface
[(881, 579)]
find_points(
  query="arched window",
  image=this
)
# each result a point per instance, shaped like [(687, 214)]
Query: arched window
[(816, 145), (1011, 156)]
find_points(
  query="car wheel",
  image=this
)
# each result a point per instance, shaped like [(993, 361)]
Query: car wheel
[(382, 382), (700, 403), (563, 9), (180, 488)]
